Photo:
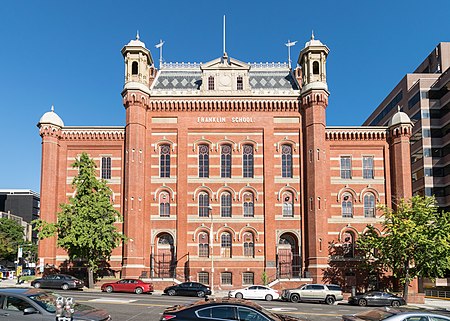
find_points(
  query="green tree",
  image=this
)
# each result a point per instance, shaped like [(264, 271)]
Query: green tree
[(85, 226), (11, 236), (415, 241)]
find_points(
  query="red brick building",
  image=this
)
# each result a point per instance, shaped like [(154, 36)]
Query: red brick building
[(226, 171)]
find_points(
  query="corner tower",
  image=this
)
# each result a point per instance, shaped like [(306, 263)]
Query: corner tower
[(139, 71), (314, 100)]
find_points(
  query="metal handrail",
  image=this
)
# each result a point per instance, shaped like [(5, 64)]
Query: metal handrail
[(437, 294)]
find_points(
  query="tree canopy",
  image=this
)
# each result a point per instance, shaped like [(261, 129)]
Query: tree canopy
[(85, 227), (415, 240), (11, 236)]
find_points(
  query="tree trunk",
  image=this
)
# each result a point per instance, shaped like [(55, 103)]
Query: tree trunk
[(90, 278), (406, 281)]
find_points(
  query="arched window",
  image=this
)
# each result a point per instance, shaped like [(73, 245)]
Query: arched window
[(164, 161), (247, 161), (240, 83), (210, 83), (106, 167), (347, 205), (249, 245), (225, 244), (315, 67), (203, 205), (134, 68), (348, 244), (225, 161), (203, 245), (203, 161), (248, 205), (164, 204), (369, 205), (288, 204), (225, 204), (286, 161)]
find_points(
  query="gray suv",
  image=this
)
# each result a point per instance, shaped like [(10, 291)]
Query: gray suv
[(327, 293)]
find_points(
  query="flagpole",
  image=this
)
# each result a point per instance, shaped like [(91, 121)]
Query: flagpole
[(224, 28)]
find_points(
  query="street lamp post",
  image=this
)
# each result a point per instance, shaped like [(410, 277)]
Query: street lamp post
[(211, 242)]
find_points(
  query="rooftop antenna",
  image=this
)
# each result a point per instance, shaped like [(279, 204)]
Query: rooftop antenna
[(160, 45), (289, 44), (224, 27)]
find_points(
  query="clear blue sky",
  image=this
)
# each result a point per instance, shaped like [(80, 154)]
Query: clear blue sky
[(67, 53)]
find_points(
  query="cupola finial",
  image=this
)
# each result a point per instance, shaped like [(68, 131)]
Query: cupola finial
[(53, 108), (398, 108), (312, 34), (137, 34)]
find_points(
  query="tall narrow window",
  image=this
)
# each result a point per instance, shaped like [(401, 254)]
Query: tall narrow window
[(106, 167), (315, 67), (225, 205), (210, 83), (288, 204), (134, 68), (164, 204), (225, 245), (249, 245), (247, 161), (347, 205), (203, 205), (248, 205), (240, 83), (368, 167), (164, 161), (286, 161), (203, 245), (346, 167), (369, 205), (225, 161), (203, 161)]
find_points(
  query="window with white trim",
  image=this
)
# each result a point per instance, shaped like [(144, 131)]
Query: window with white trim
[(164, 204), (106, 167), (164, 160)]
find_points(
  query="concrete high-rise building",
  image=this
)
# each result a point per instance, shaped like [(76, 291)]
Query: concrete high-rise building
[(424, 96), (226, 172)]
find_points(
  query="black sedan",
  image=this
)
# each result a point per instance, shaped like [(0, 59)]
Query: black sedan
[(376, 298), (58, 281), (188, 288), (22, 304), (222, 309)]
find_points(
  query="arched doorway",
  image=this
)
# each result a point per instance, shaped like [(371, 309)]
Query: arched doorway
[(288, 257), (164, 257)]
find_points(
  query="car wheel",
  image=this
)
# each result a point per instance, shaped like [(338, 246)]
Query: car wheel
[(200, 294), (239, 295), (65, 286), (109, 289), (171, 292), (330, 300), (395, 303), (295, 298), (138, 290), (362, 302), (37, 285), (269, 297)]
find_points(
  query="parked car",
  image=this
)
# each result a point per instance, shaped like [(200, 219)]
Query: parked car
[(328, 293), (222, 309), (260, 292), (389, 314), (128, 285), (58, 281), (21, 304), (28, 272), (188, 288), (376, 298)]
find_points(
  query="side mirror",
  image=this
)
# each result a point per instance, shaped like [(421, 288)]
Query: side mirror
[(30, 310)]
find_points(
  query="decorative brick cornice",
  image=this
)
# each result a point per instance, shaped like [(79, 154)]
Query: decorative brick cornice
[(50, 130), (357, 133), (217, 105), (94, 133)]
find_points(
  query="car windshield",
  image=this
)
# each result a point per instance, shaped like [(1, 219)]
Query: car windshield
[(376, 315), (45, 300)]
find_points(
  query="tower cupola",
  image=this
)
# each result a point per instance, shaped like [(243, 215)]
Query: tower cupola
[(313, 59), (138, 62)]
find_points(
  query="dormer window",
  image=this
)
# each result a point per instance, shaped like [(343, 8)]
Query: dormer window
[(134, 68), (210, 83), (315, 67), (240, 83)]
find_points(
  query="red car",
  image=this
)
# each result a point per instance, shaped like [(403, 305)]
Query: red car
[(128, 285)]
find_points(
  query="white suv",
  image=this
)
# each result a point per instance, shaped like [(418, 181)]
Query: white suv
[(328, 293)]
